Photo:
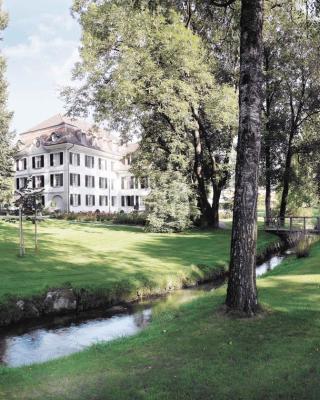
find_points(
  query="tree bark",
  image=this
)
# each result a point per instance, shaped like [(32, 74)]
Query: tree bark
[(286, 179), (215, 204), (204, 205), (242, 292)]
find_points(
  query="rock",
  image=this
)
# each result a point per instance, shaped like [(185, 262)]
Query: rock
[(20, 304), (60, 300)]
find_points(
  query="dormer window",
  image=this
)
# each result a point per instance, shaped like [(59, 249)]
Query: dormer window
[(54, 137)]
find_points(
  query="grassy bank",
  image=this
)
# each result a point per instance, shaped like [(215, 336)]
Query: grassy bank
[(110, 259), (191, 351)]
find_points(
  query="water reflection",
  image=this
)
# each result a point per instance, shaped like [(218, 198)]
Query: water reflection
[(269, 265)]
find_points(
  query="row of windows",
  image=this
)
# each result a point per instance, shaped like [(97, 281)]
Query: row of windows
[(56, 180), (133, 183), (57, 159), (90, 201)]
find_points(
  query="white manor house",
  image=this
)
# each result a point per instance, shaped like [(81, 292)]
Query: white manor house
[(79, 168)]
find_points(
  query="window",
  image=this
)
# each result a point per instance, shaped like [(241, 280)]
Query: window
[(127, 201), (123, 183), (103, 183), (37, 162), (129, 159), (38, 182), (74, 159), (89, 161), (21, 183), (113, 201), (75, 200), (90, 200), (56, 159), (89, 181), (144, 183), (75, 180), (131, 182), (130, 201), (102, 164), (103, 201), (21, 165), (56, 180)]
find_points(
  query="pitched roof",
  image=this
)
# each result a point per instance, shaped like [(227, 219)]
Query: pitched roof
[(57, 120)]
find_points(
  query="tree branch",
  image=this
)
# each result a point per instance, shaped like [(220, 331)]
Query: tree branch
[(223, 4)]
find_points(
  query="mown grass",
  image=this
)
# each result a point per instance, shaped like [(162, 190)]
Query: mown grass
[(192, 351), (108, 258)]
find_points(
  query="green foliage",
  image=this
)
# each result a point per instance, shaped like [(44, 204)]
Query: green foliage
[(146, 73), (134, 218), (6, 147), (170, 204)]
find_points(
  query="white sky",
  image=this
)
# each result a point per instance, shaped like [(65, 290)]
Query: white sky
[(41, 47)]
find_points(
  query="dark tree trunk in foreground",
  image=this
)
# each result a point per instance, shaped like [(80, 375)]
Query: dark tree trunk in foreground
[(242, 293)]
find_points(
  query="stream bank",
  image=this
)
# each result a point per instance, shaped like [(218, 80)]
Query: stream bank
[(72, 301)]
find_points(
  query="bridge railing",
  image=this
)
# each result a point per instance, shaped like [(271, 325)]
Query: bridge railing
[(292, 223)]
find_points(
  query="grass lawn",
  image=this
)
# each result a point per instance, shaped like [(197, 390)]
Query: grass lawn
[(109, 258), (191, 351)]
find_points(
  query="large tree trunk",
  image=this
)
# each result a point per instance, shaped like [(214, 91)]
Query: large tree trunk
[(286, 180), (215, 204), (204, 205), (242, 293)]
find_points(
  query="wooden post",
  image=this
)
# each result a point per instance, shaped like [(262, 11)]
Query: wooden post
[(21, 248)]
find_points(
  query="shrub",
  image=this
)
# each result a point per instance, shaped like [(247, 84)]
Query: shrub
[(171, 203), (304, 246)]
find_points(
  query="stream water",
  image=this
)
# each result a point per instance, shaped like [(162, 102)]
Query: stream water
[(58, 337)]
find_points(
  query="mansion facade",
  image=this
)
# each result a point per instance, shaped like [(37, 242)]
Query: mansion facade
[(79, 168)]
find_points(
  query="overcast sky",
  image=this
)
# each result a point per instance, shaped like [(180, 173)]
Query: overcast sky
[(41, 46)]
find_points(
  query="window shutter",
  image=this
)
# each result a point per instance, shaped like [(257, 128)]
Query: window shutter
[(42, 180), (51, 180), (100, 183), (18, 184), (86, 180), (42, 161), (79, 199), (71, 199), (94, 200), (78, 179), (71, 179), (51, 160), (61, 179), (24, 163), (33, 182), (86, 161), (33, 162), (93, 185), (78, 159), (17, 165), (70, 158), (61, 158), (100, 200), (86, 199)]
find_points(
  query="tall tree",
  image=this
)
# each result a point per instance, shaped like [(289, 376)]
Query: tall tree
[(145, 69), (6, 148), (242, 293)]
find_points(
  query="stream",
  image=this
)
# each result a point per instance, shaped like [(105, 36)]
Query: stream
[(62, 336)]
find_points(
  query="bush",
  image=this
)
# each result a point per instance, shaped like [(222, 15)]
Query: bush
[(134, 218), (171, 203), (304, 246)]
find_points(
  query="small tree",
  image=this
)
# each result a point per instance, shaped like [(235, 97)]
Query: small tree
[(29, 202), (171, 203)]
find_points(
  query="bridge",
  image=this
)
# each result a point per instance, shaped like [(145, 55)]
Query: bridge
[(307, 225)]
